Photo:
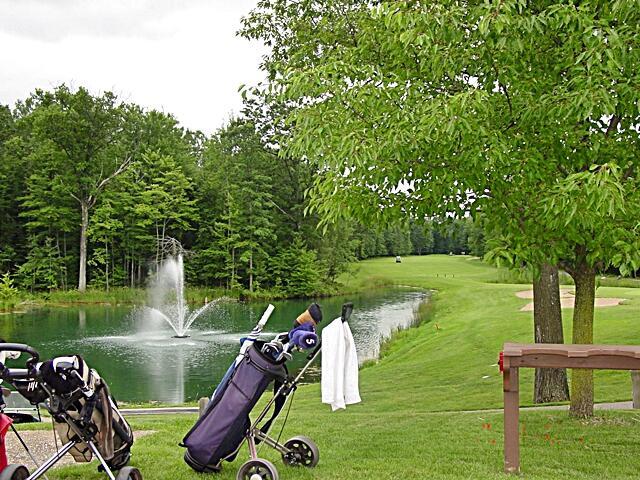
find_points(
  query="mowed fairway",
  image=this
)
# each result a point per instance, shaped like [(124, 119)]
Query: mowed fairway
[(411, 423)]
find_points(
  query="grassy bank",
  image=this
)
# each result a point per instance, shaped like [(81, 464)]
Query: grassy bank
[(138, 296), (411, 423), (115, 296)]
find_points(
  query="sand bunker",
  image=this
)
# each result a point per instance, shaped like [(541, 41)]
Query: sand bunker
[(567, 300)]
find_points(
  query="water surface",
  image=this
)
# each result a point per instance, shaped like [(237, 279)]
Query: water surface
[(142, 362)]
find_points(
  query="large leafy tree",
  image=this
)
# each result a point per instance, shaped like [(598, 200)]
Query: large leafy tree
[(526, 111), (95, 139)]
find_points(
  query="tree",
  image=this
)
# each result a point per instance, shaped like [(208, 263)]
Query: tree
[(335, 251), (421, 238), (239, 166), (424, 109), (167, 196), (96, 140), (104, 230), (43, 267), (597, 211), (253, 202), (476, 238), (12, 176), (50, 215), (398, 241), (155, 196), (297, 270)]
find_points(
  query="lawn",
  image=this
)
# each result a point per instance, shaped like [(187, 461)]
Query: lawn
[(411, 423)]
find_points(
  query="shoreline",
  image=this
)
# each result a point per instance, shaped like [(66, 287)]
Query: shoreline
[(138, 296)]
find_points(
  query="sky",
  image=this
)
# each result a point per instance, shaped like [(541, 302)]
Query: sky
[(178, 56)]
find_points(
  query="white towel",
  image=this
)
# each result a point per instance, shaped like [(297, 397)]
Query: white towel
[(339, 381)]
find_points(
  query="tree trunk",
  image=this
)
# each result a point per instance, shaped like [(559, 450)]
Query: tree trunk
[(113, 259), (233, 267), (581, 379), (251, 272), (157, 253), (60, 257), (550, 383), (125, 268), (66, 260), (174, 253), (106, 264), (82, 271)]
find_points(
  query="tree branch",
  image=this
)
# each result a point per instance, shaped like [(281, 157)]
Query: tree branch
[(567, 267), (613, 124), (121, 168)]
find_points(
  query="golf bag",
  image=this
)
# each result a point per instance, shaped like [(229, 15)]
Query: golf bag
[(219, 432), (85, 416), (114, 437)]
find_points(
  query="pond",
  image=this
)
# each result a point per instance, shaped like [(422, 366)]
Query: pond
[(142, 362)]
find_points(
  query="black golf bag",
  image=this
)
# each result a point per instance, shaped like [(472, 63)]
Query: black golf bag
[(114, 437), (85, 416)]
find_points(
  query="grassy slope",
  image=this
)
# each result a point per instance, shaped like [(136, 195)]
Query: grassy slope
[(406, 427)]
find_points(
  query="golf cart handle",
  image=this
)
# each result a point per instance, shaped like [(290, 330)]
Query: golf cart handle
[(11, 374), (22, 348)]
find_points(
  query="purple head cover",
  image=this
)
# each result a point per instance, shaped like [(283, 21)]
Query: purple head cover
[(304, 336)]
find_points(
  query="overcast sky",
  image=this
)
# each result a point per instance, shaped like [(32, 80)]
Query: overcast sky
[(182, 57)]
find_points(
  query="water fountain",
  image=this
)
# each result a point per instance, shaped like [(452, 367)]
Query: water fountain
[(167, 293)]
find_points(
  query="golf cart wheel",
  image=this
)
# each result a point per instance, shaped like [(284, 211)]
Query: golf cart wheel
[(257, 469), (14, 472), (303, 452), (129, 473)]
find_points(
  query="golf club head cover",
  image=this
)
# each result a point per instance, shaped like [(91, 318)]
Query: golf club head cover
[(312, 315), (304, 336)]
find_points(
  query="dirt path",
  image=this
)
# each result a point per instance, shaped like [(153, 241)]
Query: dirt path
[(42, 445)]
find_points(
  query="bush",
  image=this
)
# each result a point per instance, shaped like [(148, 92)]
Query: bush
[(7, 290), (297, 271)]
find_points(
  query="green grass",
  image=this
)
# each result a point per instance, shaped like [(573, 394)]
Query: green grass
[(401, 444), (618, 282), (410, 423)]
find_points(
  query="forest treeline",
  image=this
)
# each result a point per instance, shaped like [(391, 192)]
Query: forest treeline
[(91, 187)]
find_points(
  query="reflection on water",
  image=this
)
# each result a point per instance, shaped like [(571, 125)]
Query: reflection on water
[(141, 360)]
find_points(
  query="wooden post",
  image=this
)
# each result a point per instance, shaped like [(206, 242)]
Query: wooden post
[(511, 420), (635, 386)]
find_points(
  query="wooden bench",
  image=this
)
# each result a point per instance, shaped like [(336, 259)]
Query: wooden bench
[(551, 355)]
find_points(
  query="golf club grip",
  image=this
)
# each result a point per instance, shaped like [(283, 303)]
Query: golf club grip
[(265, 316), (254, 333), (347, 310)]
